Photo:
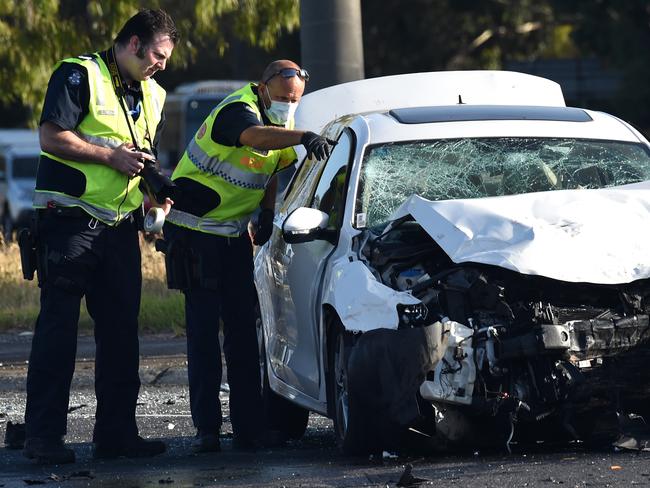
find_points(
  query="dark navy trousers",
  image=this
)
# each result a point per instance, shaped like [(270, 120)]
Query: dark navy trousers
[(86, 258), (224, 291)]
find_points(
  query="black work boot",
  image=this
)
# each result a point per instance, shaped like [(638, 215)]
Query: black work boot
[(206, 442), (133, 448), (15, 435), (48, 450), (265, 439), (245, 443)]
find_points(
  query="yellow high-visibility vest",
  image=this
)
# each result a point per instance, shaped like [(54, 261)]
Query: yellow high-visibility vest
[(100, 190), (239, 175)]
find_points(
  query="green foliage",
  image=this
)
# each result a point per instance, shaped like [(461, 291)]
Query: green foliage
[(402, 36), (618, 33), (163, 311), (35, 34), (561, 44), (427, 35)]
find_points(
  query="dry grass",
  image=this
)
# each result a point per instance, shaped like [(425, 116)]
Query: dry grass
[(161, 309), (18, 298)]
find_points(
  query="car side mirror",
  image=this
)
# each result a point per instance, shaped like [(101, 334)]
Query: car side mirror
[(304, 225)]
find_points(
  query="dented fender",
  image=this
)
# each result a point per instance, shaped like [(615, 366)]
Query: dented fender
[(361, 302)]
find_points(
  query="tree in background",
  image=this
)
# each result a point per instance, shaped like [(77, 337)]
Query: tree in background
[(229, 39), (423, 35), (426, 35), (618, 33), (35, 34)]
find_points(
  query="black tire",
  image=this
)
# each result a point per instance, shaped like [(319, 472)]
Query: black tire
[(280, 415), (351, 426)]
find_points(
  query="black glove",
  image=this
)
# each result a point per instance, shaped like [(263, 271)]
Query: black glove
[(264, 227), (316, 145)]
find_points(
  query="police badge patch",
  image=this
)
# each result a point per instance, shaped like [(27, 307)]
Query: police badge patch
[(75, 78)]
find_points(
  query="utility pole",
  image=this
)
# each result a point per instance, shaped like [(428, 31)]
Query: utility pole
[(331, 42)]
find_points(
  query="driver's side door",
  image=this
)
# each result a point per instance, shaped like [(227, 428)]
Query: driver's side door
[(297, 269)]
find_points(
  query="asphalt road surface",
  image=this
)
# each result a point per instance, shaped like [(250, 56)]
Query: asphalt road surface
[(314, 461)]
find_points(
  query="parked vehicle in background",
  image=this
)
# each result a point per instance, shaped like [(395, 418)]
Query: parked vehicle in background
[(185, 109), (470, 263), (19, 153)]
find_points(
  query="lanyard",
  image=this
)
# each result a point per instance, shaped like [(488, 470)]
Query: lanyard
[(118, 86)]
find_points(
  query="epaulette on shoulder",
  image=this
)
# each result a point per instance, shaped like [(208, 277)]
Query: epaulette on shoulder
[(86, 57)]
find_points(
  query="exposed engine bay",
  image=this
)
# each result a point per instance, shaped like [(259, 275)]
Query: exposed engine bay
[(543, 358)]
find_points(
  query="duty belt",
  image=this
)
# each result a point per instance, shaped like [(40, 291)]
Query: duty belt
[(232, 228), (76, 212), (45, 199)]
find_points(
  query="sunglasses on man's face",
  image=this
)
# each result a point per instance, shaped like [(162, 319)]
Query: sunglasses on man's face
[(290, 73)]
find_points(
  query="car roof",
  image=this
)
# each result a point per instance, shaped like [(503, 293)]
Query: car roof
[(438, 88)]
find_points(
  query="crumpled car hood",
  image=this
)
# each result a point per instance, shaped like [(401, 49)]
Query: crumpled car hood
[(593, 236)]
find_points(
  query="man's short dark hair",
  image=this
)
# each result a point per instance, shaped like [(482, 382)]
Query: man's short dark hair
[(146, 24)]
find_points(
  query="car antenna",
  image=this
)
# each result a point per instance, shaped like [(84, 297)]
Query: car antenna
[(460, 100)]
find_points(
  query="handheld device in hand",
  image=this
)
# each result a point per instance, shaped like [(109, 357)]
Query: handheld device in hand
[(159, 185)]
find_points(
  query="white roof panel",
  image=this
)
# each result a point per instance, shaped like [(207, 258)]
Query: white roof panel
[(425, 89)]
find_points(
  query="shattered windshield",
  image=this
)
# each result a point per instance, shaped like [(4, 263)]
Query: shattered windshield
[(474, 168)]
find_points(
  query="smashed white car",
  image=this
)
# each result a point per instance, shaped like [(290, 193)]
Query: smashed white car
[(471, 264)]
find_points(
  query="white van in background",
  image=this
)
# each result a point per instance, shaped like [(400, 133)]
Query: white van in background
[(19, 153)]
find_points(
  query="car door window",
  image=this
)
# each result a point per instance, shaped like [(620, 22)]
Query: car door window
[(302, 185), (329, 196), (300, 188)]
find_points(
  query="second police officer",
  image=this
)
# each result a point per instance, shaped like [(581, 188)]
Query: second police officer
[(228, 170)]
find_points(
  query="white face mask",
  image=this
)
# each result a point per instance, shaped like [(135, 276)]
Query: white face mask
[(280, 113)]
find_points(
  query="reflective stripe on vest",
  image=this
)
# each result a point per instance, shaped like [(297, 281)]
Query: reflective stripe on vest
[(100, 141), (100, 99), (42, 199), (233, 228), (224, 169), (157, 107)]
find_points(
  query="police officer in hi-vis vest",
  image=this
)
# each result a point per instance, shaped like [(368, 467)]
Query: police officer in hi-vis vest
[(101, 120), (228, 170)]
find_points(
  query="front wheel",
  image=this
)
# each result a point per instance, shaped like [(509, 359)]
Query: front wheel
[(346, 408)]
